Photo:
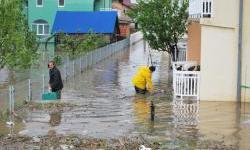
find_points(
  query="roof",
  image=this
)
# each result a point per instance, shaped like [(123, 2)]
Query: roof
[(128, 3), (84, 22)]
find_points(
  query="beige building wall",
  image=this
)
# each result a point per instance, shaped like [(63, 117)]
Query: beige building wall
[(219, 49), (224, 14), (194, 42), (246, 51), (218, 63)]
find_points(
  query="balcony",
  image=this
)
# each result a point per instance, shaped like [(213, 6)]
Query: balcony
[(200, 9)]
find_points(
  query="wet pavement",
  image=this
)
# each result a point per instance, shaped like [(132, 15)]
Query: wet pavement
[(107, 107)]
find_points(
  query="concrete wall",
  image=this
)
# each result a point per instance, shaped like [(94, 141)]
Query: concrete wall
[(194, 42), (246, 51), (218, 63), (136, 37)]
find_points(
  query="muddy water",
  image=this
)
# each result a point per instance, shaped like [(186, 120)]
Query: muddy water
[(108, 108)]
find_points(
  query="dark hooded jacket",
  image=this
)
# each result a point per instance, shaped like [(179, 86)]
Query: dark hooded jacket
[(55, 79)]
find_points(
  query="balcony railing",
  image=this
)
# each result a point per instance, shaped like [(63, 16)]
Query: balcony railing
[(200, 8)]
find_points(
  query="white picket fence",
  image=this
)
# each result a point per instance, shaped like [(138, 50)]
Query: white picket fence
[(186, 84)]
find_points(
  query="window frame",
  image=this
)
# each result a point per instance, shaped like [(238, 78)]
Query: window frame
[(61, 5), (37, 27), (39, 5)]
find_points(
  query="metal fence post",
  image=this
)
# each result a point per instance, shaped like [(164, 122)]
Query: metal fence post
[(73, 67), (91, 56), (81, 64), (13, 98), (43, 83), (87, 59), (65, 71), (11, 105), (29, 93), (10, 100)]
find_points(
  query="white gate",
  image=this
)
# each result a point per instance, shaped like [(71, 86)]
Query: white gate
[(186, 84)]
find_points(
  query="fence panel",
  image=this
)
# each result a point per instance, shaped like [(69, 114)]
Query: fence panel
[(4, 101), (186, 84), (32, 88), (21, 93)]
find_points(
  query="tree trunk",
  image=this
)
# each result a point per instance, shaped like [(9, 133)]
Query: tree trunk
[(172, 49)]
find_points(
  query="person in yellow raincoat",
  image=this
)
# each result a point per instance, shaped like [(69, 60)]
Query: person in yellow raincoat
[(142, 81)]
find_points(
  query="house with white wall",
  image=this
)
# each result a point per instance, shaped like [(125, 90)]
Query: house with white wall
[(219, 40)]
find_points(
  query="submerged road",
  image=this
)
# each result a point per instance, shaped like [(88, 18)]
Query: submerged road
[(107, 107)]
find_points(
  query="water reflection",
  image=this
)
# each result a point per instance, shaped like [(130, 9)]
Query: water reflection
[(10, 124), (11, 127), (55, 118), (142, 113), (141, 109), (186, 112)]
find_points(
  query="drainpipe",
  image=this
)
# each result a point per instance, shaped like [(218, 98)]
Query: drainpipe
[(239, 51)]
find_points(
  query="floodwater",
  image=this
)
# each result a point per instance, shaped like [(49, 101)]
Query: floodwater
[(107, 107)]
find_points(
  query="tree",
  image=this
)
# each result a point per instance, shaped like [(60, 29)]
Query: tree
[(18, 46), (75, 44), (162, 22)]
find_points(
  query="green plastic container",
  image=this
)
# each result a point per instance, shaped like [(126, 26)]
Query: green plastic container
[(49, 96)]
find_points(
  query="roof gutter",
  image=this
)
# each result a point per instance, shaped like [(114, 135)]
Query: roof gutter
[(239, 63)]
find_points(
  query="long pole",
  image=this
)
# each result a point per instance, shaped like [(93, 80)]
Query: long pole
[(13, 98), (10, 100), (29, 94), (43, 84), (239, 51)]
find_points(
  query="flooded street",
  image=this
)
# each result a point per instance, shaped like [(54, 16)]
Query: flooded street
[(106, 107)]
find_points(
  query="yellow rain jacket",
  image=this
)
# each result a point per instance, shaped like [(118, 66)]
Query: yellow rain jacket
[(142, 79)]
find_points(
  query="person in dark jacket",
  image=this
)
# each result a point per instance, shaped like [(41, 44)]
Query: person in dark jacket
[(55, 80)]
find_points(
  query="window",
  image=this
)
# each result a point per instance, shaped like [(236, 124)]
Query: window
[(26, 2), (40, 27), (39, 3), (125, 10), (207, 9), (60, 3)]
